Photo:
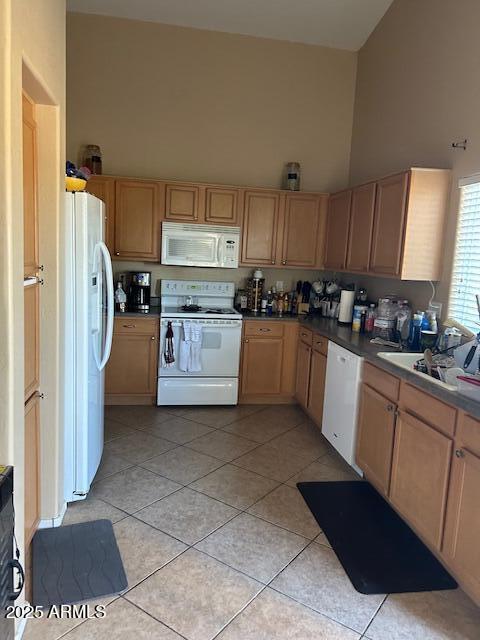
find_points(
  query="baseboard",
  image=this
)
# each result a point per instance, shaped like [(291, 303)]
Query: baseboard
[(48, 523), (267, 399), (113, 400)]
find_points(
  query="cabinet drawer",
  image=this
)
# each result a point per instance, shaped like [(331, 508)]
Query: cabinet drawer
[(468, 434), (306, 335), (320, 343), (264, 329), (141, 326), (436, 413), (381, 381)]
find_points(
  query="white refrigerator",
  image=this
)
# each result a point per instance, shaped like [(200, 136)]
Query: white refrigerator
[(89, 311)]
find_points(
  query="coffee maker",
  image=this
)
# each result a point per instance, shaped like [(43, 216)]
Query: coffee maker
[(139, 292)]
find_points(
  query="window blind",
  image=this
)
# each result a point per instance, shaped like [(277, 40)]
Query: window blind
[(465, 282)]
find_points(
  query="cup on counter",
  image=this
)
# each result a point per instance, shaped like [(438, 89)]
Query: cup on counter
[(428, 339)]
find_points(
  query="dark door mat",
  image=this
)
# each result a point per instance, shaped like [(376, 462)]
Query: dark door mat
[(76, 562), (377, 549)]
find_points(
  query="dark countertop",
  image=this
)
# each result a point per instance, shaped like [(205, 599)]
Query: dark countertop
[(361, 345), (249, 315), (153, 313)]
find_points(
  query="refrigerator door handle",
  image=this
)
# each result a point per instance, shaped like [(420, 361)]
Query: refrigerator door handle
[(102, 247)]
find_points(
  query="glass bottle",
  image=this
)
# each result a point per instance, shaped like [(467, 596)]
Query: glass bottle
[(93, 158)]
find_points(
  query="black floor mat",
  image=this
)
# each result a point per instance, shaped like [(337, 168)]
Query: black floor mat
[(75, 563), (378, 550)]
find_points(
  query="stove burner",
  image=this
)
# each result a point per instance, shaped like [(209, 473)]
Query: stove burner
[(216, 311), (191, 308)]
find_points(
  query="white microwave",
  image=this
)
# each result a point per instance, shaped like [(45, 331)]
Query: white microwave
[(200, 245)]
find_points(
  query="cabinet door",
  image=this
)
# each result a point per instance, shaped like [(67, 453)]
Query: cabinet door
[(32, 466), (182, 202), (221, 205), (304, 356), (30, 222), (316, 391), (300, 234), (389, 224), (462, 530), (132, 367), (31, 341), (260, 226), (262, 360), (104, 188), (137, 220), (420, 471), (376, 431), (338, 221), (361, 227)]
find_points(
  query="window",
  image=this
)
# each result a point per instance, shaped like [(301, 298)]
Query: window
[(465, 283)]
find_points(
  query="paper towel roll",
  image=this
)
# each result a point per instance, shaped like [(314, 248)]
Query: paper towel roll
[(347, 298)]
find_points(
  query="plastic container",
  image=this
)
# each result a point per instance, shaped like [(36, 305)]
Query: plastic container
[(358, 309), (469, 386), (292, 176), (93, 158)]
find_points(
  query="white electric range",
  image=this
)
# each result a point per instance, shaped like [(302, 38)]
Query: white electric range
[(210, 305)]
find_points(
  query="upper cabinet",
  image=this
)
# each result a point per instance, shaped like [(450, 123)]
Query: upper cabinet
[(338, 223), (222, 205), (182, 202), (104, 188), (384, 227), (202, 203), (137, 219), (260, 227), (303, 229), (30, 227), (361, 226)]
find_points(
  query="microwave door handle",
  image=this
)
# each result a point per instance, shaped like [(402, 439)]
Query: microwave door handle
[(219, 250)]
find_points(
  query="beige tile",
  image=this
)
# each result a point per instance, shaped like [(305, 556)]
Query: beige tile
[(224, 446), (438, 615), (319, 472), (123, 621), (218, 416), (178, 430), (183, 465), (113, 429), (253, 546), (138, 447), (317, 579), (322, 539), (195, 595), (260, 427), (286, 507), (306, 440), (143, 548), (187, 515), (137, 416), (91, 509), (273, 616), (110, 464), (52, 628), (133, 489), (273, 463), (287, 415), (235, 486)]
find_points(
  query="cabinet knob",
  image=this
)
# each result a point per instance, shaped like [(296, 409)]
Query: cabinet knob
[(273, 261), (460, 453), (284, 262), (247, 340), (117, 253), (129, 326), (390, 408), (265, 329)]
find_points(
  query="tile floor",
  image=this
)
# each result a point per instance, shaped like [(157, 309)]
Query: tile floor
[(218, 543)]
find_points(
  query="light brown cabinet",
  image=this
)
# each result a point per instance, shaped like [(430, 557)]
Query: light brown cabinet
[(131, 372), (316, 388), (302, 230), (376, 430), (268, 361), (338, 224), (222, 205), (420, 475), (31, 344), (137, 220), (32, 467), (304, 357), (182, 202), (361, 227), (103, 187), (30, 223), (260, 227)]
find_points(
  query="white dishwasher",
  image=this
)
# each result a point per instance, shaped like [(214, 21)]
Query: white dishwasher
[(342, 396)]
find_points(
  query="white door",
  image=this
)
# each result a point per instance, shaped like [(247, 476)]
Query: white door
[(94, 290)]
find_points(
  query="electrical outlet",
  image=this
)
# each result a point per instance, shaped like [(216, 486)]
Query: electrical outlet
[(279, 285), (437, 307)]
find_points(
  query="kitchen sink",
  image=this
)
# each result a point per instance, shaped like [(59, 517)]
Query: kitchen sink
[(407, 360)]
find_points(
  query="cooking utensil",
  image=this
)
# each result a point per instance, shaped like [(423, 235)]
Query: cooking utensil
[(469, 357), (428, 357)]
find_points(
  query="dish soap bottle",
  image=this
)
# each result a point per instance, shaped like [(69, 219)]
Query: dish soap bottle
[(120, 299)]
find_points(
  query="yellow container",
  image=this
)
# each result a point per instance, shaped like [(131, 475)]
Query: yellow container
[(75, 184)]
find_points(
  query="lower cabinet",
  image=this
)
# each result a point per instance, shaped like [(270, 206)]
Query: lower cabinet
[(131, 372), (376, 430), (304, 358), (420, 475), (268, 361), (316, 389), (32, 467)]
